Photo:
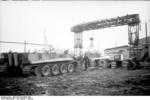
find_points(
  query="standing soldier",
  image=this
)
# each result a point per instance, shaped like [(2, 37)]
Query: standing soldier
[(86, 61)]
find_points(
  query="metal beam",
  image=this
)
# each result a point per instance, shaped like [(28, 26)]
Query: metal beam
[(112, 22)]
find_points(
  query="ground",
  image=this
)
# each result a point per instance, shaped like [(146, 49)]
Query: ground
[(97, 81)]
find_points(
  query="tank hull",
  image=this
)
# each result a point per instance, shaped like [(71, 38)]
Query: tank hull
[(40, 64)]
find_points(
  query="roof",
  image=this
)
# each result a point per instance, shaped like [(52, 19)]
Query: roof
[(124, 46), (141, 41)]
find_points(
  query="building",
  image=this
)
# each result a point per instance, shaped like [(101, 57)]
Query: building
[(121, 50), (125, 50)]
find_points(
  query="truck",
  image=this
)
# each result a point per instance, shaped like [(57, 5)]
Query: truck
[(39, 64)]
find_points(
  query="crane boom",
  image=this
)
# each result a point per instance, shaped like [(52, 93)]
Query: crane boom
[(99, 24)]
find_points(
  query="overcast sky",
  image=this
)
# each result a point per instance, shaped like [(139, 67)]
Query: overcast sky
[(20, 21)]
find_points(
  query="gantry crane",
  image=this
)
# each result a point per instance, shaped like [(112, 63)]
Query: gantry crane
[(132, 21)]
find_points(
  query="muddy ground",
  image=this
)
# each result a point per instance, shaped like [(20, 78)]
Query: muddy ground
[(97, 81)]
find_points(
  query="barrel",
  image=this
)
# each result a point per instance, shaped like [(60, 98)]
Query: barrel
[(113, 64), (125, 64)]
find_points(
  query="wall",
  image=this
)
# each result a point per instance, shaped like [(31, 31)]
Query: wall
[(122, 50)]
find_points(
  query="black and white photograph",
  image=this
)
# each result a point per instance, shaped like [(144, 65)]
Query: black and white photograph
[(74, 48)]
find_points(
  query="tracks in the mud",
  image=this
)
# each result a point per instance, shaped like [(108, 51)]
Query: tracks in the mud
[(92, 82)]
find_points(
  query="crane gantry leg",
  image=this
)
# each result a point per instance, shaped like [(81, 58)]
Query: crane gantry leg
[(133, 35), (78, 44)]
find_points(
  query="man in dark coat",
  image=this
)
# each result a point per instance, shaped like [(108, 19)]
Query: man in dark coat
[(86, 61)]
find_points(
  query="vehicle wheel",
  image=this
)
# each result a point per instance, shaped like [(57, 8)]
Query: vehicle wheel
[(55, 70), (37, 71), (45, 70), (70, 68), (63, 68)]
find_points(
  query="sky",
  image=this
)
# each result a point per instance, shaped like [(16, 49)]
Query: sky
[(27, 20)]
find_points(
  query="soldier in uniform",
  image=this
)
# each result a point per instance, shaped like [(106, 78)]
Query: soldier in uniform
[(86, 61)]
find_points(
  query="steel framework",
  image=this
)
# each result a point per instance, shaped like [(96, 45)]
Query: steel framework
[(78, 45), (91, 44), (132, 21)]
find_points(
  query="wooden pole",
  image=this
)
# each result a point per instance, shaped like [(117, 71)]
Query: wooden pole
[(25, 46)]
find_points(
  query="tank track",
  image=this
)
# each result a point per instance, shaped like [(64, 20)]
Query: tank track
[(49, 69)]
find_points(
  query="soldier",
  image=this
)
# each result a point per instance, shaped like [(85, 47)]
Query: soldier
[(86, 61)]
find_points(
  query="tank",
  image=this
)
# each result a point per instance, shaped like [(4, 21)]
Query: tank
[(39, 64)]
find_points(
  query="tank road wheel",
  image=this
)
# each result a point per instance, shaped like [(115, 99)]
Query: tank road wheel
[(70, 68), (45, 70), (55, 69), (63, 68), (37, 71)]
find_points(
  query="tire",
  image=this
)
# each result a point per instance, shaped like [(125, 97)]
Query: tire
[(63, 68), (37, 71), (45, 70), (55, 69), (70, 68)]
